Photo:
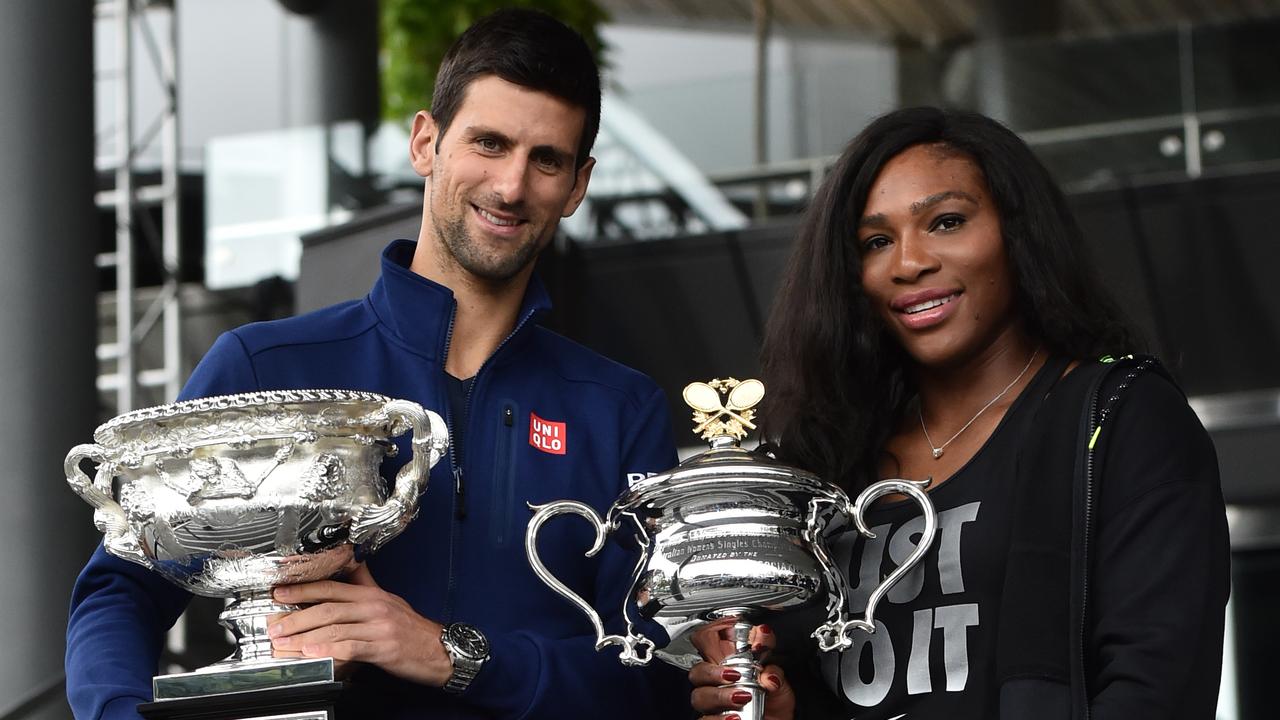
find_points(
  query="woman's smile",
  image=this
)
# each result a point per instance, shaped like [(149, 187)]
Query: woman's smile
[(925, 309)]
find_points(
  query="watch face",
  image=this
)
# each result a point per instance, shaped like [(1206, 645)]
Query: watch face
[(468, 640)]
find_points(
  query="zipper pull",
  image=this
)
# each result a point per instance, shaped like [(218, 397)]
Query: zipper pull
[(508, 417), (460, 495)]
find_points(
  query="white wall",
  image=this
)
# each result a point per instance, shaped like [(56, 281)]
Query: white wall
[(697, 87)]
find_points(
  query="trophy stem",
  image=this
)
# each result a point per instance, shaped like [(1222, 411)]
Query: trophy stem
[(251, 666), (746, 661), (247, 617)]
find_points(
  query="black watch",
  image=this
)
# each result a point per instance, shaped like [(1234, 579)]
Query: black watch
[(468, 649)]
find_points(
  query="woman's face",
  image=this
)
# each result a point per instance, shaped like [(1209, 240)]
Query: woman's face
[(933, 259)]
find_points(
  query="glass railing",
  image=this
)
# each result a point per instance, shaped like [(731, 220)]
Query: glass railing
[(1102, 112)]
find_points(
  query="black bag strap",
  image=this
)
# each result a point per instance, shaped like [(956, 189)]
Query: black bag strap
[(1131, 366)]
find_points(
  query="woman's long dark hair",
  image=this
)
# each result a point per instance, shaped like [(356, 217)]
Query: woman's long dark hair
[(837, 384)]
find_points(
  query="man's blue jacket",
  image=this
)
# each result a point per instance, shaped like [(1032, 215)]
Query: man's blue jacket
[(449, 564)]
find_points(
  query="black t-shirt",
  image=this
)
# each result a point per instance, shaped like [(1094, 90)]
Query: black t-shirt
[(933, 652), (457, 391)]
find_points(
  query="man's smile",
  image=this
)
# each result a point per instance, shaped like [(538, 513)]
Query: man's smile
[(498, 221)]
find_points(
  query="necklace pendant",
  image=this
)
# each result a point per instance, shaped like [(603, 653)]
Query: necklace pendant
[(937, 453)]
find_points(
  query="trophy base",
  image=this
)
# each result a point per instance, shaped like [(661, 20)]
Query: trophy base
[(316, 701), (239, 677)]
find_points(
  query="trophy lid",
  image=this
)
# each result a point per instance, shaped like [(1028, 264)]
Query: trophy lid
[(723, 412), (304, 408)]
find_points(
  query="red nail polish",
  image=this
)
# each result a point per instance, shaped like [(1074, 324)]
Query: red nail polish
[(773, 679), (741, 697), (732, 716), (765, 629), (731, 675)]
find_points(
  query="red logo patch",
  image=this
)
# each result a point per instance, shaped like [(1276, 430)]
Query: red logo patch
[(548, 436)]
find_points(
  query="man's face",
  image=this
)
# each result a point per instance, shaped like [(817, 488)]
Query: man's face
[(503, 177)]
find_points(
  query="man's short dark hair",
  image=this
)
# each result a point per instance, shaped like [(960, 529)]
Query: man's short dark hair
[(528, 48)]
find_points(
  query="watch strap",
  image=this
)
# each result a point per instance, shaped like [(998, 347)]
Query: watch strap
[(464, 671), (466, 665)]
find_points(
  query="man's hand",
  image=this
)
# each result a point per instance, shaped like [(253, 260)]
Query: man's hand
[(359, 621)]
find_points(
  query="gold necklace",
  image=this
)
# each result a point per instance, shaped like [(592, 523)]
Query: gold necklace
[(937, 449)]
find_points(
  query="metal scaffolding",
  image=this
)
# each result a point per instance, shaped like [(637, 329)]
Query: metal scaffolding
[(135, 230)]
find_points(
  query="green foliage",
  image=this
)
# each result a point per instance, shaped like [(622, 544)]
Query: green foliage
[(416, 34)]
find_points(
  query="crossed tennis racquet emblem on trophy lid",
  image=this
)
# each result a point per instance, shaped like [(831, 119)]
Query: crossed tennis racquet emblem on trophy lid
[(730, 417)]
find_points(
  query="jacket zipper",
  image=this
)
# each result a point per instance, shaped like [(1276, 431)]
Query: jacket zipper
[(458, 489), (1094, 427), (459, 484), (459, 495), (501, 504), (1096, 421)]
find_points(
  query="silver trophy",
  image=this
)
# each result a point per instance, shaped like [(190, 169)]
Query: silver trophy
[(729, 541), (231, 496)]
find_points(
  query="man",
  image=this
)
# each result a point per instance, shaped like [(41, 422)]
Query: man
[(533, 418)]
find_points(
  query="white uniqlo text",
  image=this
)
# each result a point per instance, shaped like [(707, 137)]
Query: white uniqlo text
[(548, 436)]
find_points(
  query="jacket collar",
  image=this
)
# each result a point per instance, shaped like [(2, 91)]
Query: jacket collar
[(420, 312)]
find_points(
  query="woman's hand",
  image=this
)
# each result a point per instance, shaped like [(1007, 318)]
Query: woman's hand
[(719, 703), (715, 642)]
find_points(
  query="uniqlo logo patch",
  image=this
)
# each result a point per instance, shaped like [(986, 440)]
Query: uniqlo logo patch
[(548, 436)]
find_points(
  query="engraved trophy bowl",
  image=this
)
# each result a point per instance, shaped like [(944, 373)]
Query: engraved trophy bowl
[(233, 495), (730, 540)]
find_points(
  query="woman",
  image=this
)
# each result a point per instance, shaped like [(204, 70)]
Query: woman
[(938, 320)]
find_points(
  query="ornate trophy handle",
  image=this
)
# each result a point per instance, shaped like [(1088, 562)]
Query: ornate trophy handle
[(110, 518), (837, 632), (379, 523), (636, 648)]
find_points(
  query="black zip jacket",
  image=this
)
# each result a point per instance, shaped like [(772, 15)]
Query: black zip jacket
[(1117, 572), (1116, 609)]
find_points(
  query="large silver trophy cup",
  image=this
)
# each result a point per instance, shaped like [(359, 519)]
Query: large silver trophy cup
[(231, 496), (731, 541)]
